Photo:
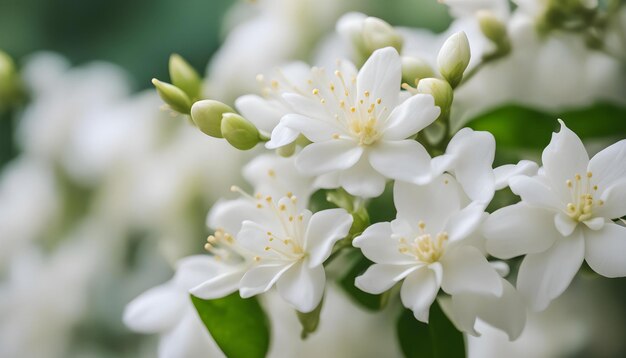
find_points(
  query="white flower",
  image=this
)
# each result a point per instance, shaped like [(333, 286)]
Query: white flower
[(290, 247), (359, 128), (426, 247), (168, 311), (563, 218)]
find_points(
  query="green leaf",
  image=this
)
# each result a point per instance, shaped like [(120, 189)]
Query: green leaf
[(517, 127), (367, 300), (437, 339), (310, 320), (239, 326)]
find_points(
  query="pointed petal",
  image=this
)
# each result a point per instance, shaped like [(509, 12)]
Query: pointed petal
[(564, 224), (261, 278), (534, 192), (324, 230), (614, 201), (324, 157), (519, 229), (377, 245), (405, 160), (378, 278), (381, 75), (264, 114), (465, 269), (432, 203), (302, 286), (604, 250), (545, 276), (314, 129), (281, 136), (410, 117), (419, 291), (563, 158), (155, 310), (505, 172), (362, 180), (219, 286), (609, 166)]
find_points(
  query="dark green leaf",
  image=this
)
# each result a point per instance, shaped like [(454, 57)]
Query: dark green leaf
[(517, 127), (437, 339), (367, 300), (310, 320), (239, 326)]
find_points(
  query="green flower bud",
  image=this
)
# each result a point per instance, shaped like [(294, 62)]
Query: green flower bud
[(379, 34), (173, 96), (494, 30), (184, 76), (309, 320), (453, 58), (414, 69), (440, 90), (239, 132), (8, 81), (207, 115)]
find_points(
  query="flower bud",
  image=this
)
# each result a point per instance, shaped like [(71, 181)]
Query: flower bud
[(379, 34), (414, 69), (184, 76), (494, 30), (239, 132), (441, 92), (207, 115), (453, 58), (173, 96), (7, 79)]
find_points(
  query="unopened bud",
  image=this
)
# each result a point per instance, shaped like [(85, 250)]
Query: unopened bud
[(494, 30), (239, 132), (173, 96), (414, 69), (207, 115), (453, 58), (440, 90), (378, 34), (185, 77)]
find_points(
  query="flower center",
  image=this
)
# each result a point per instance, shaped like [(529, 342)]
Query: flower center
[(286, 244), (423, 247), (223, 247), (581, 205)]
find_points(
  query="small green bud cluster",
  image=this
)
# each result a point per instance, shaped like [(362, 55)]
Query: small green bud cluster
[(185, 87), (495, 30)]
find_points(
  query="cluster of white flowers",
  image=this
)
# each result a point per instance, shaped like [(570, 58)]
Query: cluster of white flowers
[(365, 180), (386, 112)]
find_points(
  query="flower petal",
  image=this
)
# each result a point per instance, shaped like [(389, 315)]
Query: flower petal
[(281, 135), (307, 106), (314, 129), (609, 165), (261, 278), (465, 269), (325, 228), (302, 286), (614, 201), (323, 157), (380, 76), (377, 245), (432, 203), (419, 291), (378, 278), (362, 180), (264, 114), (534, 192), (465, 222), (545, 276), (219, 286), (564, 224), (563, 158), (230, 214), (405, 160), (189, 338), (605, 248), (519, 229), (155, 310), (410, 117), (505, 172)]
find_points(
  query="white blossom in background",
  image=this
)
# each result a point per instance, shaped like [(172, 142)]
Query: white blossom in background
[(564, 217), (167, 310), (359, 127), (425, 247)]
